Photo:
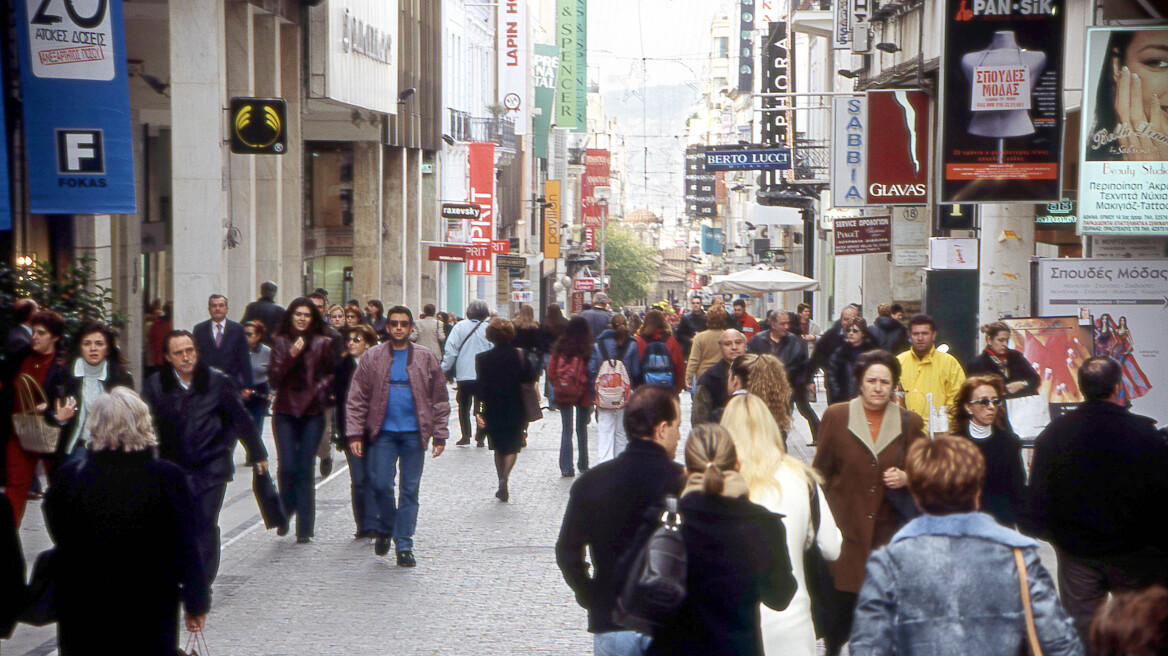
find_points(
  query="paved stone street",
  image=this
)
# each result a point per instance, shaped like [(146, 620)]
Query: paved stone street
[(486, 581)]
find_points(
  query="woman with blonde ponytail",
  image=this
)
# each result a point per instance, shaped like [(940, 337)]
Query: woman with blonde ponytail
[(785, 485), (737, 556)]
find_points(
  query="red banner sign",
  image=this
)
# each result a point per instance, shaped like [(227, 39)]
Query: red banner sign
[(577, 302), (500, 246), (482, 193), (590, 239), (447, 254), (596, 174), (583, 284)]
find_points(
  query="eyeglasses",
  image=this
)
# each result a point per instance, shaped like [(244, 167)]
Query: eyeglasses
[(399, 324), (853, 330), (996, 402), (355, 340)]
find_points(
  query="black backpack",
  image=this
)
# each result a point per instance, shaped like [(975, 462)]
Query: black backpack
[(656, 583)]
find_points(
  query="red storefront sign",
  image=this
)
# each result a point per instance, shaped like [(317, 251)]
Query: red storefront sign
[(597, 164), (583, 284), (577, 302), (500, 246), (590, 239), (482, 193), (447, 254)]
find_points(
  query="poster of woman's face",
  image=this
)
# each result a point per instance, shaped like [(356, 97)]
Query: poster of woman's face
[(1130, 71)]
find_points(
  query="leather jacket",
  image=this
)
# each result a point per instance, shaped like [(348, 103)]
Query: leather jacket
[(303, 384)]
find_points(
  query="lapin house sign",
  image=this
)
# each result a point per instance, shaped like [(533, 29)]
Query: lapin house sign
[(482, 193), (880, 150), (76, 97), (512, 49)]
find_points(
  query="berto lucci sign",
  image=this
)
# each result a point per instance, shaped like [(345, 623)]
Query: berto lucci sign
[(767, 159), (76, 107), (884, 166)]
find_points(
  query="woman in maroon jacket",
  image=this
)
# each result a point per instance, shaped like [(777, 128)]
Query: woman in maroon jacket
[(301, 374)]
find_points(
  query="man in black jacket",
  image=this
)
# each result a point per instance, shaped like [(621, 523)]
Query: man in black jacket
[(888, 333), (778, 341), (690, 324), (1099, 493), (265, 310), (198, 416), (607, 506), (711, 393)]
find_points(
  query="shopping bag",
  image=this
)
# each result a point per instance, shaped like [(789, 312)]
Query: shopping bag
[(1028, 415), (268, 500)]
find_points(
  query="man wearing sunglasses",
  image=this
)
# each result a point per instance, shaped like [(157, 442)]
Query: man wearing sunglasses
[(397, 404)]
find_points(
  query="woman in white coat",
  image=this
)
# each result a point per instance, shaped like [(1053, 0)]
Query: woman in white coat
[(782, 484)]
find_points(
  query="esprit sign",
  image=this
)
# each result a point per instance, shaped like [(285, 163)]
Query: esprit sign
[(748, 160)]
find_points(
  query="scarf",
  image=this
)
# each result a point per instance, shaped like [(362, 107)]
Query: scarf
[(979, 432), (1000, 363), (91, 387), (733, 484)]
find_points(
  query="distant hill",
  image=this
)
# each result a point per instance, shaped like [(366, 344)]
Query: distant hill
[(659, 125)]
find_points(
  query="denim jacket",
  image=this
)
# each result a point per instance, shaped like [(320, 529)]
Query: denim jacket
[(947, 584)]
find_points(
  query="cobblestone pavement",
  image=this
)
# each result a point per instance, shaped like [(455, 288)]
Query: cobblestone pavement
[(486, 582)]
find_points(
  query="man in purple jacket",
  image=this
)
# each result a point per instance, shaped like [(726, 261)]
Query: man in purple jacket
[(397, 403)]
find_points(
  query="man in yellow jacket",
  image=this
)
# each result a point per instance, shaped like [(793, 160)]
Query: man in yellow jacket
[(925, 371)]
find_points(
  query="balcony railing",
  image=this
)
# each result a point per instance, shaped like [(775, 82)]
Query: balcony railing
[(812, 159), (500, 131)]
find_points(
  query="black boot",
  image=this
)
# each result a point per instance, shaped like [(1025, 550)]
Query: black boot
[(503, 495)]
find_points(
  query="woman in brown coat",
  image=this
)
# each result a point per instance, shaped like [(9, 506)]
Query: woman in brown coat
[(861, 450)]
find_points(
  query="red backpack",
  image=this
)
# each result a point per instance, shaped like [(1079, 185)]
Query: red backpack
[(569, 377)]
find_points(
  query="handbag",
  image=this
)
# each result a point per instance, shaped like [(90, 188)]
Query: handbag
[(268, 499), (1028, 415), (817, 575), (195, 641), (1024, 589), (656, 584), (529, 395), (42, 588), (33, 432), (900, 499)]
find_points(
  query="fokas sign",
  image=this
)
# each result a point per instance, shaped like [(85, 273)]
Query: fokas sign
[(766, 159)]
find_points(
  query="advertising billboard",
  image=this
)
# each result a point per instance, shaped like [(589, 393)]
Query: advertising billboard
[(551, 220), (1001, 101), (76, 98), (1126, 300), (778, 76), (567, 91), (880, 150), (511, 45), (745, 46), (1123, 155), (597, 163), (545, 67), (359, 43), (700, 199), (862, 235), (1055, 347), (482, 192)]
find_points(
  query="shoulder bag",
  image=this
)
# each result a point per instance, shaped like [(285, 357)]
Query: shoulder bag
[(452, 371), (35, 434), (817, 575), (901, 499), (656, 584), (1024, 589), (528, 394)]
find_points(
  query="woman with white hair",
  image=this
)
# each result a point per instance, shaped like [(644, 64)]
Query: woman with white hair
[(787, 486), (123, 521)]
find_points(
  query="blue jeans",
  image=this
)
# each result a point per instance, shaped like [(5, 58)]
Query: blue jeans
[(383, 515), (620, 643), (258, 412), (582, 414), (359, 489), (296, 442)]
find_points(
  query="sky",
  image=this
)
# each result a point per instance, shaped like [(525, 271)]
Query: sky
[(652, 43)]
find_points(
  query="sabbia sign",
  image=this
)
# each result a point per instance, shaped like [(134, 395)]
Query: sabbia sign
[(887, 165)]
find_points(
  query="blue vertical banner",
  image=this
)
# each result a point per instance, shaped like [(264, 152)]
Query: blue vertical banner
[(76, 106), (712, 240)]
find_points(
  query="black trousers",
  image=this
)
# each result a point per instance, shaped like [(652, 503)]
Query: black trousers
[(799, 394), (466, 396), (1084, 583), (208, 503)]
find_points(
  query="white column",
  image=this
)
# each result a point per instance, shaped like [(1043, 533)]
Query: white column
[(1007, 244), (197, 84)]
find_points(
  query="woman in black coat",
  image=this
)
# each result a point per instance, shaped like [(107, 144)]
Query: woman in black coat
[(123, 522), (999, 359), (13, 591), (979, 415), (359, 339), (839, 375), (737, 556), (503, 371), (97, 369)]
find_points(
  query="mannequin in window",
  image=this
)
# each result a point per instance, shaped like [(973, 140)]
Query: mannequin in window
[(1003, 51)]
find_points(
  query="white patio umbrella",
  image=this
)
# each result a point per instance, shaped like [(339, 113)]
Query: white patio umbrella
[(760, 279)]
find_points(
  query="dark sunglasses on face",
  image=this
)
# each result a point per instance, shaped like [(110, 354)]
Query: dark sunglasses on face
[(996, 402), (399, 324), (355, 340), (853, 330)]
